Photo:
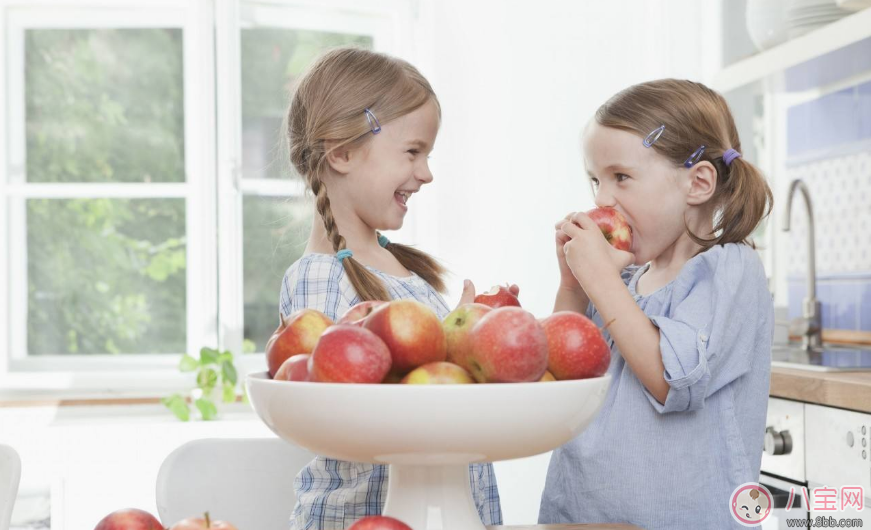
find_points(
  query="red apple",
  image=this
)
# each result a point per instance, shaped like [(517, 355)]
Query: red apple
[(457, 326), (498, 296), (508, 345), (412, 332), (198, 523), (438, 374), (547, 377), (614, 227), (379, 522), (349, 354), (576, 348), (129, 519), (302, 330), (359, 312), (294, 369)]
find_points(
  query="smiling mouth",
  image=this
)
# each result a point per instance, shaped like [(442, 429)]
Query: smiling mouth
[(402, 196)]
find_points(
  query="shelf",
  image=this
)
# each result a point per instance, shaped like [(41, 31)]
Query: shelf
[(846, 31)]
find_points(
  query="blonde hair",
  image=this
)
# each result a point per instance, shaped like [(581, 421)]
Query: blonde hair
[(694, 115), (327, 108)]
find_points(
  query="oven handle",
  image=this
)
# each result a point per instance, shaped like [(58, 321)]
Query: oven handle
[(781, 497)]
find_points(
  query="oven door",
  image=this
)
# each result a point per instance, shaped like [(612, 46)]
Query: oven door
[(779, 489)]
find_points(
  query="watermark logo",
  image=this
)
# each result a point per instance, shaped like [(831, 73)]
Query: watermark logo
[(751, 504)]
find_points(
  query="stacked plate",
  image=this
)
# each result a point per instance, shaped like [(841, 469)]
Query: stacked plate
[(803, 16)]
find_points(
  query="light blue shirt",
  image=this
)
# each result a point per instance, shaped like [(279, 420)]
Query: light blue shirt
[(673, 466), (332, 494)]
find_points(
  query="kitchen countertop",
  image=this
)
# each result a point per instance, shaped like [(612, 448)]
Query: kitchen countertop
[(847, 390)]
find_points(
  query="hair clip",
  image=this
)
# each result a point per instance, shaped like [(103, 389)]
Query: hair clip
[(383, 241), (653, 136), (373, 121), (730, 155), (695, 157), (344, 253)]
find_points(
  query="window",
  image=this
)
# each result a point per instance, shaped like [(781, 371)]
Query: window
[(147, 207)]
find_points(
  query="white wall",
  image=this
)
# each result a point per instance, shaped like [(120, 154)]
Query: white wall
[(517, 81)]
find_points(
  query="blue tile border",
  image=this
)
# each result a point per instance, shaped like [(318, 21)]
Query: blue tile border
[(845, 299)]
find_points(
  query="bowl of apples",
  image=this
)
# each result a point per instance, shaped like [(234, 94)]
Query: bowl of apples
[(390, 383)]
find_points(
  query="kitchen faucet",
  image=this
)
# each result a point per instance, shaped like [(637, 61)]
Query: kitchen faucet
[(809, 326)]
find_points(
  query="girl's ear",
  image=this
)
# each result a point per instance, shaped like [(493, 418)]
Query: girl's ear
[(703, 183), (339, 158)]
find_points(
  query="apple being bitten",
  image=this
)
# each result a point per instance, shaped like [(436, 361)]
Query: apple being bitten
[(349, 354), (442, 373), (294, 369), (457, 326), (357, 314), (576, 348), (129, 519), (379, 522), (302, 330), (412, 332), (508, 346), (613, 226), (498, 296)]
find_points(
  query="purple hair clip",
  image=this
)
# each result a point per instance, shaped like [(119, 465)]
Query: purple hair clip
[(653, 136), (373, 121), (730, 155), (695, 157)]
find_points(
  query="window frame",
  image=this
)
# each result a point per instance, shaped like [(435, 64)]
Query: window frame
[(213, 188), (106, 371)]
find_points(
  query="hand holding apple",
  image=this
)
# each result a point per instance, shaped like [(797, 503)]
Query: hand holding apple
[(613, 226), (567, 278), (589, 255), (129, 519)]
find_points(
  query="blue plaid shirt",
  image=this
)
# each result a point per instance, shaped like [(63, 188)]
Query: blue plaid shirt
[(332, 494)]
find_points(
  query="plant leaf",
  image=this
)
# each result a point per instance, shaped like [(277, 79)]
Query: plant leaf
[(188, 363), (178, 406), (229, 393), (208, 356), (208, 409), (224, 357), (207, 379), (229, 372)]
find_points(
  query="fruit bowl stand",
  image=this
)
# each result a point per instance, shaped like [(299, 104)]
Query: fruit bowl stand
[(428, 434)]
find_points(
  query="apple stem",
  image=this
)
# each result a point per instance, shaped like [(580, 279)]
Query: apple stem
[(608, 324), (208, 521)]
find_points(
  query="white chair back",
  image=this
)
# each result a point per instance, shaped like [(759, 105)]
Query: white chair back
[(247, 482), (10, 475)]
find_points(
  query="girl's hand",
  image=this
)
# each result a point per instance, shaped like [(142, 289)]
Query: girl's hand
[(468, 295), (567, 279), (588, 254)]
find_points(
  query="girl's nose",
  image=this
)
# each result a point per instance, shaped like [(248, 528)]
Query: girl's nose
[(604, 199), (424, 174)]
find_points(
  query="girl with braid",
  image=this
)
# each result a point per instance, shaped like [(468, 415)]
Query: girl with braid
[(360, 127)]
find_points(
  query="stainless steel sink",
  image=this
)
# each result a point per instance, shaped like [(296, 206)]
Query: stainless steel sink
[(824, 358)]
